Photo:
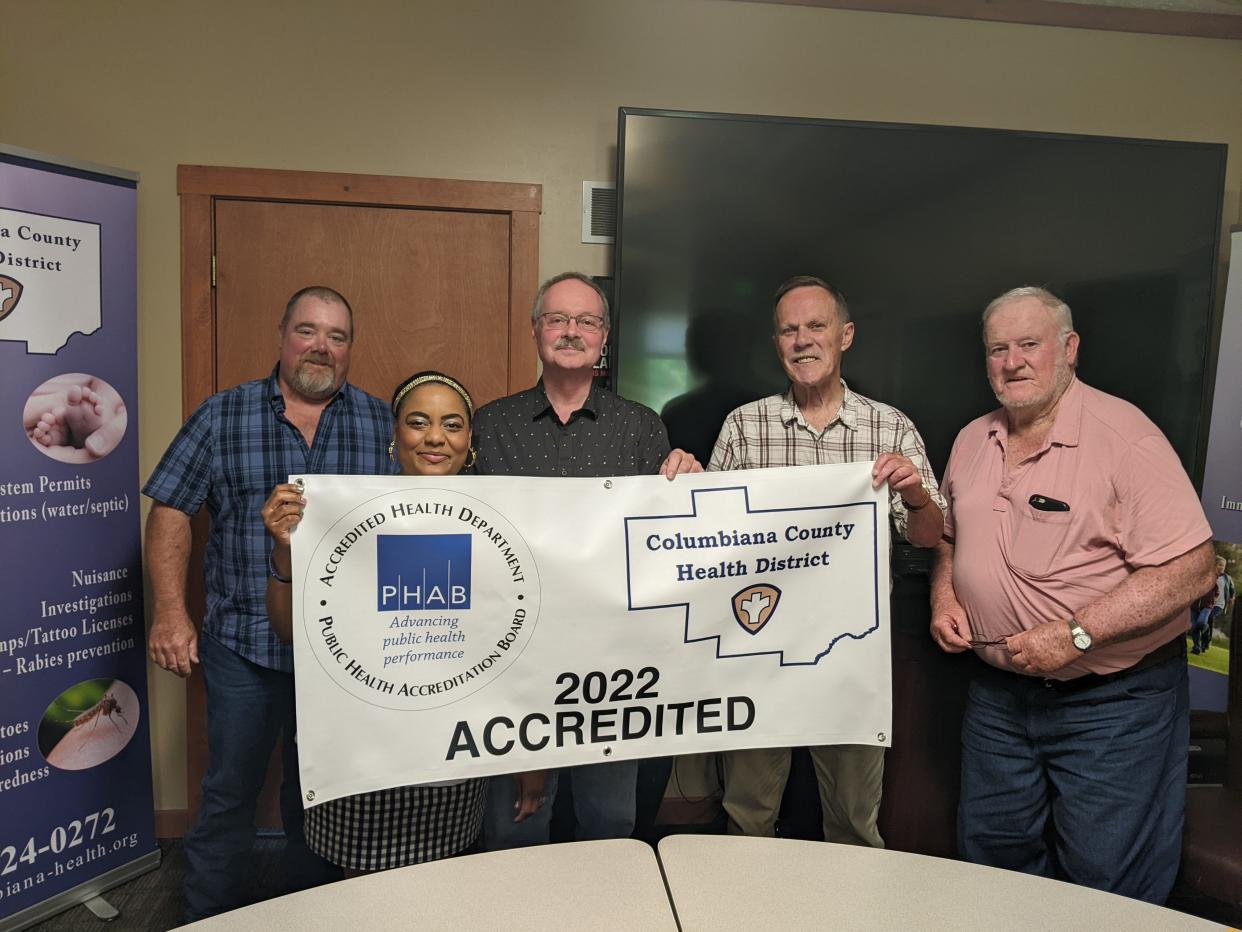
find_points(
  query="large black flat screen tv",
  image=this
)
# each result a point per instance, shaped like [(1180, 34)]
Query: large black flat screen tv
[(920, 226)]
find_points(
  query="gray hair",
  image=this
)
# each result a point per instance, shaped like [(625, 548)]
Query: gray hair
[(537, 309), (811, 281), (323, 293), (1060, 310)]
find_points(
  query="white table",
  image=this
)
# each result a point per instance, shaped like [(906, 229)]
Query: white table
[(725, 882), (584, 885)]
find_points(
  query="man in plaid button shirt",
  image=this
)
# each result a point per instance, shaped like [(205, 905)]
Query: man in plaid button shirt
[(238, 445), (819, 420)]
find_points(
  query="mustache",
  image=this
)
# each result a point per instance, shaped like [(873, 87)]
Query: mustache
[(570, 342), (324, 359)]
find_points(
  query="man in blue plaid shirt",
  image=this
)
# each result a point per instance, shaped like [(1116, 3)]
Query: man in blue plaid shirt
[(238, 445)]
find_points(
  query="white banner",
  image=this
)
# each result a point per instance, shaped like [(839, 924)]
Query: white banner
[(448, 628), (1222, 474)]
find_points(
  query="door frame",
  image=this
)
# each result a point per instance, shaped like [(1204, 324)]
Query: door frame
[(199, 186)]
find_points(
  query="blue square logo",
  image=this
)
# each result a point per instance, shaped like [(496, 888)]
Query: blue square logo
[(423, 572)]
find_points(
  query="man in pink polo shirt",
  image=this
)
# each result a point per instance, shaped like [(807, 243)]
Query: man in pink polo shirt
[(1073, 546)]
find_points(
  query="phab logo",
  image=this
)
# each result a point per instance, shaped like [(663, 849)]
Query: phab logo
[(423, 572), (10, 294), (754, 606)]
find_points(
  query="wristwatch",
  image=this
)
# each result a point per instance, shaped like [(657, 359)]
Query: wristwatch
[(1082, 640), (910, 507)]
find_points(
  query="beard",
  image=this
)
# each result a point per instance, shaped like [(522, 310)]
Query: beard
[(315, 383), (1062, 375)]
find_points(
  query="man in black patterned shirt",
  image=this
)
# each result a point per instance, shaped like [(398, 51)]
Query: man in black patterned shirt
[(568, 426), (819, 420)]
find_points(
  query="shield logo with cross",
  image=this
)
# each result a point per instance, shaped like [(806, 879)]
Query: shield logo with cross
[(754, 606), (10, 294)]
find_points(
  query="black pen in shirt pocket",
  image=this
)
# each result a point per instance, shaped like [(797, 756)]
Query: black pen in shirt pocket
[(1044, 503)]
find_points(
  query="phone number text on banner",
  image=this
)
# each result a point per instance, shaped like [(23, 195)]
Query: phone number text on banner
[(449, 628)]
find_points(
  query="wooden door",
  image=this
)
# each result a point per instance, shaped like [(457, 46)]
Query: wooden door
[(429, 288), (440, 274)]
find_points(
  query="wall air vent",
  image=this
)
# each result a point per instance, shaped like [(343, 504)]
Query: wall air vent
[(599, 212)]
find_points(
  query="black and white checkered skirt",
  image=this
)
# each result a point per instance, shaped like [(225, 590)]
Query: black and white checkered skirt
[(399, 826)]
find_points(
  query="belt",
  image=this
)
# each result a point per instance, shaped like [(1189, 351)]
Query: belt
[(1168, 651)]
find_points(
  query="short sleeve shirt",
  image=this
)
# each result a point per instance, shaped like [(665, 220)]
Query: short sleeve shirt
[(520, 435), (235, 448), (1114, 499), (773, 432)]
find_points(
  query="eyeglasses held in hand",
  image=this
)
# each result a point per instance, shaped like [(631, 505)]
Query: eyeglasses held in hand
[(587, 323), (998, 642)]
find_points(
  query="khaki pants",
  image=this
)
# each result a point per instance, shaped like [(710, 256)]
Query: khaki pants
[(850, 777)]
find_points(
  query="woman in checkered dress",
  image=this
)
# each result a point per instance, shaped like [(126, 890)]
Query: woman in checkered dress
[(405, 824), (399, 826)]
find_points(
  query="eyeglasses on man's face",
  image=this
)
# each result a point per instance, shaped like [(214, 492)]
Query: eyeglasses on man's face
[(587, 323)]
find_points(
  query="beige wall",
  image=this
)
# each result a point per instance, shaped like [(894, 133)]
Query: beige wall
[(525, 90)]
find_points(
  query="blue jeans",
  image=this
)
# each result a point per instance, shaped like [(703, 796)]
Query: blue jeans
[(1201, 627), (248, 709), (1085, 785), (604, 798)]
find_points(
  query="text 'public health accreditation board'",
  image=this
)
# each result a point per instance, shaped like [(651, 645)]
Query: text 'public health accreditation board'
[(448, 628)]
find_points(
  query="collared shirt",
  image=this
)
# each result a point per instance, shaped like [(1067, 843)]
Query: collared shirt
[(773, 432), (520, 435), (230, 454), (1128, 504)]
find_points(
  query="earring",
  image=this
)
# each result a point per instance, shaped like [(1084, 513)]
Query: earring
[(472, 459), (392, 450)]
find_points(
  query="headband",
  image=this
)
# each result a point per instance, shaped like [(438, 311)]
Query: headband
[(434, 377)]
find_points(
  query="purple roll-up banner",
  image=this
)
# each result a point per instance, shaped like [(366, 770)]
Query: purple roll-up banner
[(76, 805), (1222, 476)]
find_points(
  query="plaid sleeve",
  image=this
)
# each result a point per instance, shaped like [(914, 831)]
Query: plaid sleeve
[(724, 454), (910, 444), (182, 480)]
